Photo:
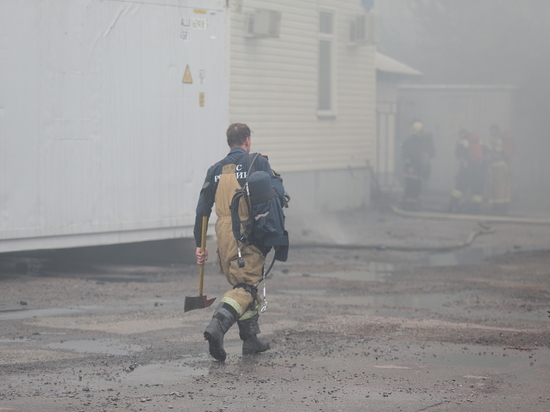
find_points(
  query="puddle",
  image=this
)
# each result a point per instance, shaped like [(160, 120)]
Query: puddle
[(14, 340), (40, 313), (405, 305), (413, 301), (374, 272), (234, 348), (391, 367), (23, 313), (381, 271), (469, 255), (161, 373), (418, 301), (470, 360), (106, 347)]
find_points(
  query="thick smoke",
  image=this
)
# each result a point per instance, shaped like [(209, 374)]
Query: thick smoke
[(484, 42)]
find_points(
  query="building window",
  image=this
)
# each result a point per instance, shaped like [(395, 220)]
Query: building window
[(325, 103)]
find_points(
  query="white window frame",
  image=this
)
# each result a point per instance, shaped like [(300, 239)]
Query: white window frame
[(330, 38)]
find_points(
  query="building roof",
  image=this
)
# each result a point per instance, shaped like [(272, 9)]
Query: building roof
[(388, 65)]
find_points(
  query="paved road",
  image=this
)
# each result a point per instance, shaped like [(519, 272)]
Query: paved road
[(352, 329)]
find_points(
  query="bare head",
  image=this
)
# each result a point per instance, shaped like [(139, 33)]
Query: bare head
[(238, 135)]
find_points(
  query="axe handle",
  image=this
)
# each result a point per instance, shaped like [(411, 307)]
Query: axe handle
[(203, 247)]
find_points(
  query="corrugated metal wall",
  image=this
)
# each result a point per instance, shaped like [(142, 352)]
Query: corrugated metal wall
[(274, 84)]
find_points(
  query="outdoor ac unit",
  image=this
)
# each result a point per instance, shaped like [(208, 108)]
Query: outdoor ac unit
[(263, 23), (363, 29)]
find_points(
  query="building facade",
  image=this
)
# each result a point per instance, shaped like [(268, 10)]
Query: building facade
[(303, 77)]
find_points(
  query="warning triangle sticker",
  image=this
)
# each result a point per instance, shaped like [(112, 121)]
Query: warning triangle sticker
[(187, 75)]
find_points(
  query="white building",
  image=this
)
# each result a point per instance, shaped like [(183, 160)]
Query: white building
[(303, 77), (111, 111)]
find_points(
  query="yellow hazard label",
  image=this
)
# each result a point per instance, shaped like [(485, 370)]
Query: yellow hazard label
[(201, 99), (187, 78), (199, 11)]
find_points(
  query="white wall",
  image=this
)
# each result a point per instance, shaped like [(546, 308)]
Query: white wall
[(274, 90)]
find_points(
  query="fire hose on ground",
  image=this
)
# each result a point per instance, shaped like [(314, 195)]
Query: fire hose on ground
[(483, 218), (484, 228)]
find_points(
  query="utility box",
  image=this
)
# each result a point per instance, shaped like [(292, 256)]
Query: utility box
[(110, 112), (263, 23)]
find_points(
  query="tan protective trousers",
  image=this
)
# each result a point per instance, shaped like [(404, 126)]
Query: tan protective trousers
[(228, 255)]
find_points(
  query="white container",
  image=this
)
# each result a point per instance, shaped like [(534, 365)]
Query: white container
[(110, 113)]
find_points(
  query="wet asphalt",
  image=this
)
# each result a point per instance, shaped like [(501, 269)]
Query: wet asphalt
[(355, 323)]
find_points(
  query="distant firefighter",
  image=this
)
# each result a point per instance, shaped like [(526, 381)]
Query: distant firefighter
[(418, 151), (502, 151), (472, 154)]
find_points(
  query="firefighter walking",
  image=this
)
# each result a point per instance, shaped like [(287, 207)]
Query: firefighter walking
[(242, 264), (418, 150)]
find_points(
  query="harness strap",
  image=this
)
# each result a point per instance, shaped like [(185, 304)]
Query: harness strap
[(249, 288), (236, 222)]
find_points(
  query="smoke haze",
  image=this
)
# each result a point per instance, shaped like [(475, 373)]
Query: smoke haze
[(484, 42)]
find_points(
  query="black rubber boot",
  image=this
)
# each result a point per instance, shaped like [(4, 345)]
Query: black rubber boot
[(224, 317), (248, 331)]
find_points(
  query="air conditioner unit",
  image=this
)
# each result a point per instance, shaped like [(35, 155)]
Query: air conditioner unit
[(237, 5), (263, 23), (363, 29)]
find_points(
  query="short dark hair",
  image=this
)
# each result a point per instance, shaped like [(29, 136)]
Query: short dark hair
[(237, 134)]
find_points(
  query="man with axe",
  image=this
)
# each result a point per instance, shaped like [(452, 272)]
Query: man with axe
[(242, 264)]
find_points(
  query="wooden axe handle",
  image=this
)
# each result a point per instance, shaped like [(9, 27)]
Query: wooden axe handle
[(203, 247)]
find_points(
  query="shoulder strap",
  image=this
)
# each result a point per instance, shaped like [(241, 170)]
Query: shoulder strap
[(251, 166), (240, 193)]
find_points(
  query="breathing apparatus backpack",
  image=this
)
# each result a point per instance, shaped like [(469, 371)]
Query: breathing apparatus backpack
[(265, 225)]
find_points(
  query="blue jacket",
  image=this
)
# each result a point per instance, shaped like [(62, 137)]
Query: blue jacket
[(239, 157)]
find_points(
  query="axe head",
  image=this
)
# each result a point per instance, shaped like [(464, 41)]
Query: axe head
[(197, 302)]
